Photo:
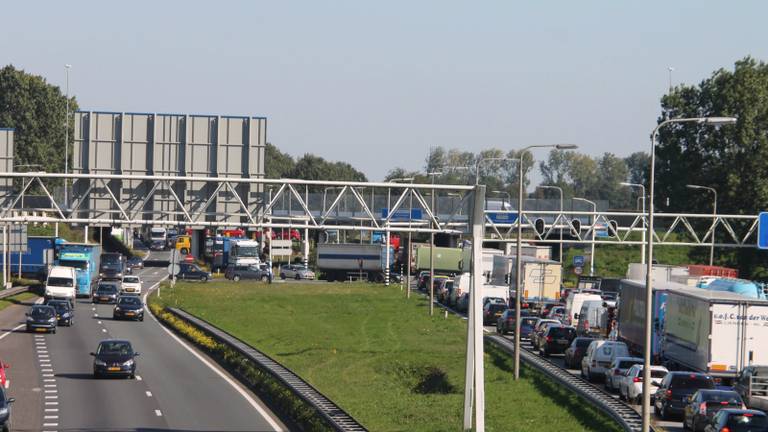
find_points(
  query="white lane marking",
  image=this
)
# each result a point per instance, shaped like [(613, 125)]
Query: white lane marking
[(93, 308), (158, 413), (49, 380), (96, 315), (51, 417), (49, 385), (149, 394), (99, 322), (12, 330), (51, 397), (51, 403), (104, 330), (51, 391), (42, 356), (51, 410), (46, 375), (50, 424), (156, 272), (47, 370), (229, 381), (138, 377)]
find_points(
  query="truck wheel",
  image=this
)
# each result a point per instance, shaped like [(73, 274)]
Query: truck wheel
[(236, 278), (184, 251)]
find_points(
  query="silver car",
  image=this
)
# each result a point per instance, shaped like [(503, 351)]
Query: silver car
[(295, 271)]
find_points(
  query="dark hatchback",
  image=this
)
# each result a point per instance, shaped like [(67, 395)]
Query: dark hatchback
[(738, 420), (65, 313), (5, 410), (673, 392), (41, 318), (129, 307), (114, 357), (106, 292), (253, 271), (704, 404), (556, 340), (135, 262), (189, 271), (575, 352), (492, 312)]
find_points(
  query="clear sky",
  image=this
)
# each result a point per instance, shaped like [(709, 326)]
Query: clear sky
[(377, 83)]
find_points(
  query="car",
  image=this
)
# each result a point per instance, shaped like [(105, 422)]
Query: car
[(738, 420), (599, 356), (506, 323), (537, 327), (556, 312), (498, 300), (131, 284), (135, 262), (575, 352), (631, 384), (492, 312), (704, 404), (5, 410), (65, 313), (106, 292), (3, 374), (556, 339), (422, 280), (672, 394), (442, 289), (42, 318), (546, 307), (253, 271), (114, 357), (295, 271), (462, 303), (617, 370), (190, 271), (128, 307)]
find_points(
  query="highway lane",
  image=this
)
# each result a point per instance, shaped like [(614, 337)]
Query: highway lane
[(174, 389)]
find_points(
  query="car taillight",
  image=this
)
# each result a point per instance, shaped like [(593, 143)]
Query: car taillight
[(669, 394), (637, 379), (726, 429), (703, 408), (724, 403), (549, 338)]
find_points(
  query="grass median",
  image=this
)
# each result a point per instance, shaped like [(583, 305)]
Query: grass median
[(25, 298), (380, 356)]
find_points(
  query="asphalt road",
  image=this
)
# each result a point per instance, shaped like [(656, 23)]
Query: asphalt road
[(176, 388)]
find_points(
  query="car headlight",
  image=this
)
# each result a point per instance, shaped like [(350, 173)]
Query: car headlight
[(101, 274), (4, 411), (128, 363), (29, 319), (65, 315), (100, 363), (117, 309), (52, 319)]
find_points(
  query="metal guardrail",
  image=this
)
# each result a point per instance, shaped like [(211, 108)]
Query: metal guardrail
[(332, 413), (13, 291), (624, 414)]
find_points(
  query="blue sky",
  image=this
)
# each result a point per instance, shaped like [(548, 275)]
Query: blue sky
[(377, 83)]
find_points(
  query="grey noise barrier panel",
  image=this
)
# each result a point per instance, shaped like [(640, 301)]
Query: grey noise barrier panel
[(625, 415), (337, 418)]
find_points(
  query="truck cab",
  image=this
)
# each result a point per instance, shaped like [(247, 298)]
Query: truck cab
[(61, 284), (752, 385)]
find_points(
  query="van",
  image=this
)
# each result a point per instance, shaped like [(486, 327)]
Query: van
[(599, 356), (61, 284), (593, 318), (573, 306)]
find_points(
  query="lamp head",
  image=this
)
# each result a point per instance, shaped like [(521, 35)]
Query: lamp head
[(566, 146), (719, 121)]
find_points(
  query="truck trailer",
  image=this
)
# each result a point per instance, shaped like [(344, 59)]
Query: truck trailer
[(38, 258), (541, 278), (85, 259), (714, 332), (447, 260), (340, 261)]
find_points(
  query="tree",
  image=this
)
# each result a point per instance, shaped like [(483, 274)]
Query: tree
[(638, 164), (730, 159), (37, 111), (311, 167), (277, 164)]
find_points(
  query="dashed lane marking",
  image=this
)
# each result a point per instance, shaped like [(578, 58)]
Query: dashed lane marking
[(138, 377), (99, 322), (104, 330), (51, 410), (51, 403), (158, 413), (149, 393)]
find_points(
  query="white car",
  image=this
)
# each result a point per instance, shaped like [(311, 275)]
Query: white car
[(599, 356), (631, 384), (619, 367), (131, 285)]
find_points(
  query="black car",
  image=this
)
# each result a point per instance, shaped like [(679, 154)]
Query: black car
[(129, 307), (189, 271), (253, 271), (673, 392), (556, 340), (65, 313), (704, 404), (41, 318), (575, 352), (5, 410), (492, 312), (114, 357), (738, 420), (135, 262), (106, 292)]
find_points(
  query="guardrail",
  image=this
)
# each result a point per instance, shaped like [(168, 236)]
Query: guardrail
[(337, 418), (624, 414), (13, 291)]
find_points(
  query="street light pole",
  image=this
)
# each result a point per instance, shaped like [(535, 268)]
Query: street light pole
[(649, 260), (642, 197), (432, 252), (410, 249), (592, 246), (559, 189), (67, 67), (714, 218), (519, 251)]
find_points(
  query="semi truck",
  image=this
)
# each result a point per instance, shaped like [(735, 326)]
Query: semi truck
[(237, 251), (340, 261), (85, 259), (541, 279), (447, 260), (38, 258), (714, 332), (158, 238)]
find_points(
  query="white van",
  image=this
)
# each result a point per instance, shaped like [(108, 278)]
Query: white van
[(599, 356), (61, 284), (573, 306), (593, 318)]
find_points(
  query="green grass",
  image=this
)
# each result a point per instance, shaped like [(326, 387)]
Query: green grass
[(381, 357), (20, 298)]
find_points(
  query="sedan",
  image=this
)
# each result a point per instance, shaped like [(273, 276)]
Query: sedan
[(128, 307), (253, 271), (135, 262), (64, 312), (492, 312), (296, 271), (114, 357), (556, 339), (704, 404), (41, 318), (106, 292), (5, 410), (738, 420), (131, 284)]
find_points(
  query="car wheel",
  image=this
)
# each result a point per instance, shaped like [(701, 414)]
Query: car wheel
[(142, 318), (685, 424), (282, 275), (53, 331), (236, 278), (298, 276), (664, 414), (265, 278)]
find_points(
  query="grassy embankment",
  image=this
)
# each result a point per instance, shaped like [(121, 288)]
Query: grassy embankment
[(380, 356), (17, 299)]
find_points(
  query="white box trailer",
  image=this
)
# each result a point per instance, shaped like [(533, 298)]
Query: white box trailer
[(715, 332), (661, 272), (541, 278)]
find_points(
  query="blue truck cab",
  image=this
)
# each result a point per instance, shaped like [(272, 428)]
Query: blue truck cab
[(85, 259)]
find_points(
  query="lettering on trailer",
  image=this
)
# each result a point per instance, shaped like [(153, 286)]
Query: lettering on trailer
[(543, 276), (70, 255), (732, 318)]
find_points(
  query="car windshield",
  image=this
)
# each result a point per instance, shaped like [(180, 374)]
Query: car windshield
[(130, 279), (110, 258), (60, 306), (60, 282), (496, 307), (655, 373), (80, 265), (106, 289), (747, 422), (115, 347), (692, 381), (42, 312), (732, 398), (129, 301)]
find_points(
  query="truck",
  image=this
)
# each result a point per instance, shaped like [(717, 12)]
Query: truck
[(38, 258), (158, 238), (447, 260), (541, 278), (243, 252), (661, 272), (631, 314), (714, 332), (752, 385), (113, 266), (340, 261), (85, 259)]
